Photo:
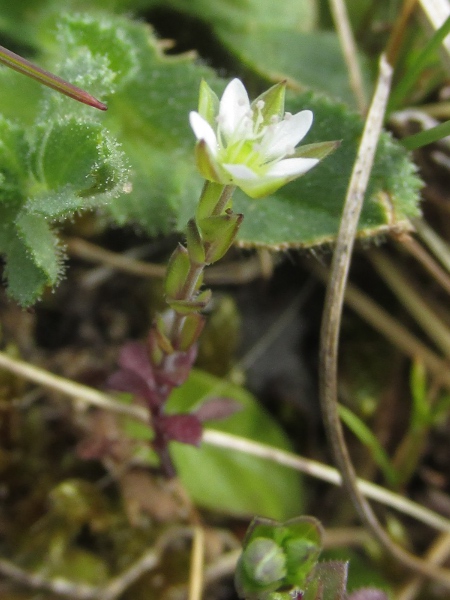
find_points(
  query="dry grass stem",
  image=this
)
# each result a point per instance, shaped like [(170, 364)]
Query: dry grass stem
[(238, 272), (77, 391), (437, 246), (398, 31), (196, 575), (407, 242), (413, 301), (350, 52), (437, 554)]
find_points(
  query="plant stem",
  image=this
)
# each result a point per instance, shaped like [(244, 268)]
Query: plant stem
[(219, 196)]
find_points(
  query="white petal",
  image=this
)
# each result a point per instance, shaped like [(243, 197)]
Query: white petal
[(234, 105), (240, 172), (203, 131), (281, 138), (291, 167)]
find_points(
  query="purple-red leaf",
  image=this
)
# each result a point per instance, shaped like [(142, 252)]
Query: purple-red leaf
[(180, 428), (216, 409), (128, 381), (134, 357)]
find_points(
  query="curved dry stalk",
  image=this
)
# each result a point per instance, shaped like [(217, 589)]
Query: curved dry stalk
[(331, 325)]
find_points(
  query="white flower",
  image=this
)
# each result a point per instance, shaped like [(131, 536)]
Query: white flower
[(250, 145)]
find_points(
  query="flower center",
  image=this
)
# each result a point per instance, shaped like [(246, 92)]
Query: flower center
[(243, 145)]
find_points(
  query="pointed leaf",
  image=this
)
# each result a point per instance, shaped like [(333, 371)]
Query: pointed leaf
[(177, 272)]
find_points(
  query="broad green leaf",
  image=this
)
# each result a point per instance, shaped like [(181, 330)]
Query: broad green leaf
[(278, 41), (148, 113), (251, 15), (228, 480), (20, 97), (308, 60)]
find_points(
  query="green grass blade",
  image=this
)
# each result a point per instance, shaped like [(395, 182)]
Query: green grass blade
[(429, 136), (415, 70), (366, 437)]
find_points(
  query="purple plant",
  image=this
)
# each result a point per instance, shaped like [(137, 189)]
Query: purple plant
[(150, 376)]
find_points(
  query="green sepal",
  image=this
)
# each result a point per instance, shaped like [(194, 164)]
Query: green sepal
[(207, 165), (195, 247), (219, 234), (273, 100), (186, 307), (163, 344), (318, 150), (191, 330), (209, 198), (177, 272), (208, 104)]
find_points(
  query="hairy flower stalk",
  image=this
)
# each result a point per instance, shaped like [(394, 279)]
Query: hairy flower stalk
[(251, 146)]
